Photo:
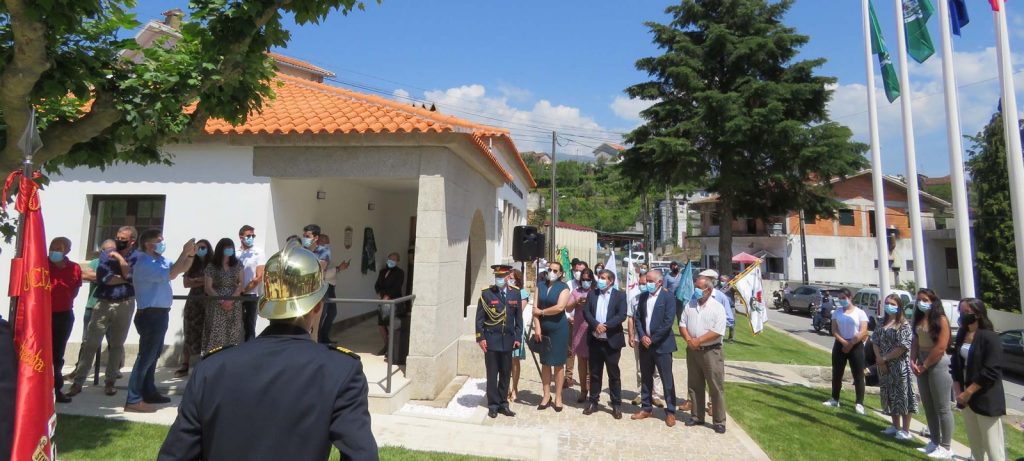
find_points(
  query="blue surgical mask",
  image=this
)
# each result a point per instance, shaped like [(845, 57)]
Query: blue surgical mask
[(652, 287), (524, 293), (643, 288), (498, 281), (602, 284), (229, 252), (924, 306), (844, 303), (202, 252), (891, 309), (160, 248), (586, 284), (391, 264), (56, 256), (248, 241), (307, 241), (697, 295)]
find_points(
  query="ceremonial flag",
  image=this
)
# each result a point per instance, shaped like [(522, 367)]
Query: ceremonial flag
[(610, 265), (958, 17), (685, 289), (563, 258), (751, 296), (916, 14), (889, 80), (34, 418), (632, 280)]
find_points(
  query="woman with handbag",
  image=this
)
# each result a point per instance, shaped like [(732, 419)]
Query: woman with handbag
[(553, 297)]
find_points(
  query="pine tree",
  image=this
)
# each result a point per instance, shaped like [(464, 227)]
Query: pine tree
[(737, 115)]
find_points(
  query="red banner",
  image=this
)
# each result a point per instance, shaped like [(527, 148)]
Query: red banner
[(34, 417)]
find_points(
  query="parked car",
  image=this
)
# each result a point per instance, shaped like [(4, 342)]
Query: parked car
[(637, 257), (804, 297), (1013, 351), (869, 300)]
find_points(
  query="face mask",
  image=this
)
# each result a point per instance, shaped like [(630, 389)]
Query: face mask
[(891, 309), (524, 294), (967, 319), (121, 245), (56, 256), (844, 303), (552, 276), (498, 281), (229, 252), (652, 287), (586, 284), (924, 306), (643, 271), (675, 271), (202, 252), (248, 241), (643, 288), (602, 284), (160, 248), (576, 274), (307, 241), (599, 269), (391, 264), (697, 295)]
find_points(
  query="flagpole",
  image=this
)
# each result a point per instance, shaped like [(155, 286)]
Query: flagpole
[(1014, 159), (910, 150), (876, 160), (961, 215)]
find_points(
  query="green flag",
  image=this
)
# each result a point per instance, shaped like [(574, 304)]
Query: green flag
[(915, 19), (889, 79)]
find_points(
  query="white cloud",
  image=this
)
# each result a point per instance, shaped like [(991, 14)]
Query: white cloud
[(401, 94), (629, 109), (531, 126)]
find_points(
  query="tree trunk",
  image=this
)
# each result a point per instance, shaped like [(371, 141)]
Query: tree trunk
[(725, 236)]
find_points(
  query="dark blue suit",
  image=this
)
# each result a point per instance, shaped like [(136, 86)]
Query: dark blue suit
[(606, 352), (663, 344), (499, 321)]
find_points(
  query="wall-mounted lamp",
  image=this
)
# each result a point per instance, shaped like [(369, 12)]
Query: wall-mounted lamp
[(321, 195), (371, 206)]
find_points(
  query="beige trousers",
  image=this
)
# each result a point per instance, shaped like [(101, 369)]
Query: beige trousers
[(110, 319), (985, 434)]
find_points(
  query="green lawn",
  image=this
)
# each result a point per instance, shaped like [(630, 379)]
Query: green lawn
[(770, 345), (89, 439), (789, 422)]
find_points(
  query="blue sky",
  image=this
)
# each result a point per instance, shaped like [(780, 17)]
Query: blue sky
[(533, 66)]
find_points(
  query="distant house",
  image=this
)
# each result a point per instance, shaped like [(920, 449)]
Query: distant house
[(540, 157), (674, 217), (609, 153)]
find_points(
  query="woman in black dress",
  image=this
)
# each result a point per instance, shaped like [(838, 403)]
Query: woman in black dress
[(194, 314), (551, 301)]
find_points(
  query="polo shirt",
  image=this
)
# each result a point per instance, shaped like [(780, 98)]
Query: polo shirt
[(699, 319), (152, 279), (65, 282), (251, 258)]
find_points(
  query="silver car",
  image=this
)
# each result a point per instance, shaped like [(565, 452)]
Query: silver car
[(803, 297)]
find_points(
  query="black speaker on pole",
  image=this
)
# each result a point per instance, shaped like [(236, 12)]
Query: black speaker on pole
[(527, 243)]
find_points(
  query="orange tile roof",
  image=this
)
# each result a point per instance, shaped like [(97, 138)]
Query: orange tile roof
[(307, 107), (300, 64)]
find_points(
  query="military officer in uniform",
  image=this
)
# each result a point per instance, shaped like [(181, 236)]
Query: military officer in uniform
[(281, 395), (499, 329)]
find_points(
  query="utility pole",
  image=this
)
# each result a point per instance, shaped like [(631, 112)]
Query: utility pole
[(803, 250), (552, 247)]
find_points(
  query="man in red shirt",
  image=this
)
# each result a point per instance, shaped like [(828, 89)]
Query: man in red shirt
[(66, 279)]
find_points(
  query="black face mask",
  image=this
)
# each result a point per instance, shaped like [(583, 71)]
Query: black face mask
[(967, 319), (675, 271), (121, 245)]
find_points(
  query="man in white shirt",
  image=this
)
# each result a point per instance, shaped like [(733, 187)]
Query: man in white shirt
[(605, 312), (702, 326), (632, 298), (252, 278)]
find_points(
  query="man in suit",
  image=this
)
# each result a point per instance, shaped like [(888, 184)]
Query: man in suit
[(499, 329), (241, 402), (655, 317), (605, 312), (389, 286)]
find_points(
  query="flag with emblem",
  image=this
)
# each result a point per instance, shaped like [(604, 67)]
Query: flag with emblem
[(916, 14), (750, 296), (610, 265), (889, 79)]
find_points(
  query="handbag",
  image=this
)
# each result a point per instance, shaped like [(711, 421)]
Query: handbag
[(535, 346)]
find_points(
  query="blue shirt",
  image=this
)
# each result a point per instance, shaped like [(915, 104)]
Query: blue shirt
[(323, 253), (671, 282), (152, 279), (107, 268), (722, 298)]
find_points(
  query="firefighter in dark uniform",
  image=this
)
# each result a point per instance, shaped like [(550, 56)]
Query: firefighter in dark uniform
[(499, 329), (281, 395)]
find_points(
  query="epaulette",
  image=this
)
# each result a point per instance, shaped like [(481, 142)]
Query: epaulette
[(215, 350), (343, 350), (513, 287)]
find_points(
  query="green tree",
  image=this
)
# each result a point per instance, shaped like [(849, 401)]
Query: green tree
[(995, 248), (97, 106), (736, 114)]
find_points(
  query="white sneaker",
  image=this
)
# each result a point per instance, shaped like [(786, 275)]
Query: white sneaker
[(831, 403), (928, 448), (904, 436), (859, 408), (891, 430), (941, 453)]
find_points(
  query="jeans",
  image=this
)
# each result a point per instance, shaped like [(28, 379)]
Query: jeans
[(152, 326), (61, 330), (856, 360), (936, 387), (249, 311)]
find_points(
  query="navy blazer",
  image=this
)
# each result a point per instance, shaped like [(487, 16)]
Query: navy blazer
[(614, 319), (663, 319)]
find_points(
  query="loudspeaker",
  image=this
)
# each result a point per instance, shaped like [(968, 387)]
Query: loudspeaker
[(527, 243)]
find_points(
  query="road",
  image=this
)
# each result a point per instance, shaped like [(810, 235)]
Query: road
[(800, 324)]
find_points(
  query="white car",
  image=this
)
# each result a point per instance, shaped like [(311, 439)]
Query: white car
[(868, 299), (637, 257)]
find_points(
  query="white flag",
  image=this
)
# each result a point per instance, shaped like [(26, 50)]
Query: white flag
[(610, 265), (632, 281), (751, 297)]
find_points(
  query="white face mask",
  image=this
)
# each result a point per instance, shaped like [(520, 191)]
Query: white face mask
[(552, 276)]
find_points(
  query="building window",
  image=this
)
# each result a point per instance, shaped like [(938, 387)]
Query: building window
[(910, 265), (751, 226), (110, 212), (951, 259), (846, 218), (714, 219), (871, 229), (824, 263)]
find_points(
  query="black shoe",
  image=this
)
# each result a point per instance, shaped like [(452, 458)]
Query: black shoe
[(694, 422), (557, 408), (719, 428), (383, 350), (544, 406), (591, 408), (616, 413), (507, 412), (492, 414), (62, 398), (157, 399)]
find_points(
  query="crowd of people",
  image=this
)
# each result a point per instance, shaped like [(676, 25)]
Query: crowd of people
[(130, 282)]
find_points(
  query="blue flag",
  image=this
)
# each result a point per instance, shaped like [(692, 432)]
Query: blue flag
[(685, 289), (958, 15)]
